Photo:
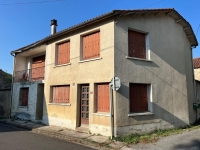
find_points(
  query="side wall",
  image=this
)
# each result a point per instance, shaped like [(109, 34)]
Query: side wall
[(169, 72), (77, 73), (197, 74)]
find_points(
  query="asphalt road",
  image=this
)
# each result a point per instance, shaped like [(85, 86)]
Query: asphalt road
[(17, 139)]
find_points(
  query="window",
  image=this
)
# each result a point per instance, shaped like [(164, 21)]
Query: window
[(38, 65), (23, 98), (136, 44), (103, 97), (63, 53), (61, 94), (139, 97), (91, 46)]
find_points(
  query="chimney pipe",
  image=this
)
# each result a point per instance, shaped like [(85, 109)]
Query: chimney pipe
[(53, 26)]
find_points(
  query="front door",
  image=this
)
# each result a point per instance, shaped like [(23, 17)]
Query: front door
[(84, 105)]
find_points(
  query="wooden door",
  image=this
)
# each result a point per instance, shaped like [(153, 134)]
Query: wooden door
[(84, 104)]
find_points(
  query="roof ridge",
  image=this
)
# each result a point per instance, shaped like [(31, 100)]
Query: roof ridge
[(96, 19)]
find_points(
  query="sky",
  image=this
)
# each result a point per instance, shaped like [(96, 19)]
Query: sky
[(23, 22)]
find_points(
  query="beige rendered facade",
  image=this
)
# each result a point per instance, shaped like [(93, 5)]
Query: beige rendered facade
[(169, 83)]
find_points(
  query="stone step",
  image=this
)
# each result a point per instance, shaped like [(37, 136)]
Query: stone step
[(82, 130)]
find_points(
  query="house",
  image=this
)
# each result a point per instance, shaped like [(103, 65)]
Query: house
[(196, 66), (64, 79)]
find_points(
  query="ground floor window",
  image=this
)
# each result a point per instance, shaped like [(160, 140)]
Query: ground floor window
[(139, 97), (103, 97), (61, 94), (23, 97)]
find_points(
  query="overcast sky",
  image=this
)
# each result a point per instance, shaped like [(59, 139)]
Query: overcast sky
[(23, 22)]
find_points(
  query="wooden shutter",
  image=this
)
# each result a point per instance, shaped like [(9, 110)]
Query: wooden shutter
[(61, 94), (38, 64), (63, 53), (24, 96), (91, 46), (103, 98), (136, 44), (138, 98)]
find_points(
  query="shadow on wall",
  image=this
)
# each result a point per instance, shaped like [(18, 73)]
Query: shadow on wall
[(5, 102), (171, 114), (194, 144), (45, 118)]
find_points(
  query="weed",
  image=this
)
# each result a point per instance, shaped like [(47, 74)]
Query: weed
[(154, 135)]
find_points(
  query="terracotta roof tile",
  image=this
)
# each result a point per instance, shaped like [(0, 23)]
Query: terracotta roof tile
[(196, 63)]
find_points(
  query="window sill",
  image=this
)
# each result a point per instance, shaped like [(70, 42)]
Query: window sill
[(134, 58), (101, 114), (22, 106), (140, 114), (60, 104), (90, 60), (61, 65)]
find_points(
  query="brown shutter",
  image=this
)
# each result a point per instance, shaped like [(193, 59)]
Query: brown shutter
[(91, 46), (138, 98), (24, 96), (61, 94), (103, 98), (38, 64), (136, 44), (63, 53)]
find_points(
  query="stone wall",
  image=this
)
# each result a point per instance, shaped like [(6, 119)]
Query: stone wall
[(5, 102)]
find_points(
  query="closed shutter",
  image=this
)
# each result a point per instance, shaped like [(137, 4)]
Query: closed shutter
[(24, 96), (91, 46), (136, 44), (63, 53), (103, 98), (138, 98), (38, 64), (61, 94)]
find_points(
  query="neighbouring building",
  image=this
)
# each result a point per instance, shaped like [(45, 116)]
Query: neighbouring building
[(64, 78), (196, 63)]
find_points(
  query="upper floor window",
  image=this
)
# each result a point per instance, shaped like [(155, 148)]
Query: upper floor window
[(91, 46), (38, 64), (136, 44), (63, 53)]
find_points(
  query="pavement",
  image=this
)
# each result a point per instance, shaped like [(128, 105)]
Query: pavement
[(86, 139), (186, 140)]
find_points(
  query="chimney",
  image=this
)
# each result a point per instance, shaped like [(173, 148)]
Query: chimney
[(53, 26)]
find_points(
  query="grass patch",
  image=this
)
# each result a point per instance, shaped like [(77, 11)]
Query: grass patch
[(155, 135)]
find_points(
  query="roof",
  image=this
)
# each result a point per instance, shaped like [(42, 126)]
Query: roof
[(196, 63), (145, 12)]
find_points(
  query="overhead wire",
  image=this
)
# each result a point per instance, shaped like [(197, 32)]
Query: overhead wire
[(197, 30), (33, 2), (155, 3)]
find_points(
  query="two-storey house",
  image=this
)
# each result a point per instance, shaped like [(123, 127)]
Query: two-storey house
[(64, 79)]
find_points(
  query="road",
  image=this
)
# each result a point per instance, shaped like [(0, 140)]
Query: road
[(17, 139)]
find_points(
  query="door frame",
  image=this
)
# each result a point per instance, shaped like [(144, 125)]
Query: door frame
[(79, 103)]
